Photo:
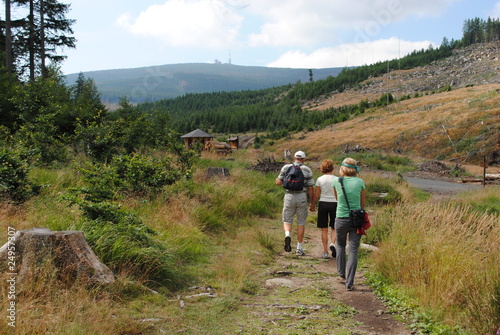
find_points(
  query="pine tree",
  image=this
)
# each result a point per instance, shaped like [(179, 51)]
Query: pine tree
[(39, 36)]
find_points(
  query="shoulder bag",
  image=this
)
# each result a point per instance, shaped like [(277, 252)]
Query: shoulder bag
[(356, 216)]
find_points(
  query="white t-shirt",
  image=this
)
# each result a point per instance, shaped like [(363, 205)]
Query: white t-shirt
[(325, 182)]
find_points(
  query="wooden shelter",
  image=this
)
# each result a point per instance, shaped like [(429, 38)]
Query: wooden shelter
[(234, 142), (197, 136)]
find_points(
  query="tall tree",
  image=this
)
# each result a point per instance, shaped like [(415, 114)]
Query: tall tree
[(8, 38), (39, 36), (55, 31)]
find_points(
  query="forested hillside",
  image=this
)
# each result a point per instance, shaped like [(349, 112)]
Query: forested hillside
[(280, 110), (169, 81)]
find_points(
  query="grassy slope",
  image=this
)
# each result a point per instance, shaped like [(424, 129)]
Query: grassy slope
[(469, 112), (415, 127)]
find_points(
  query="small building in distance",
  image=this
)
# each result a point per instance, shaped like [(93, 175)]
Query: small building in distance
[(197, 136), (234, 142)]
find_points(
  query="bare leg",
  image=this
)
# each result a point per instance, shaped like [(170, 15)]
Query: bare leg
[(300, 233), (324, 239), (287, 227), (333, 236)]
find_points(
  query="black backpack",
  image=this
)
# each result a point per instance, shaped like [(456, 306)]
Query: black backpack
[(294, 179)]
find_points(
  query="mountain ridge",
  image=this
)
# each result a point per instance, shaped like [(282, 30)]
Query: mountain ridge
[(152, 83)]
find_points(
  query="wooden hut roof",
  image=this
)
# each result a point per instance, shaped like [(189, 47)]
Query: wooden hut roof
[(197, 133)]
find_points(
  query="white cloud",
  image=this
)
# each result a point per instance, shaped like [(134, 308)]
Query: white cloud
[(354, 54), (205, 23), (295, 23), (496, 11), (306, 23)]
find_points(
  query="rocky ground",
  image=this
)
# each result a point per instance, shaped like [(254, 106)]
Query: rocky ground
[(478, 64)]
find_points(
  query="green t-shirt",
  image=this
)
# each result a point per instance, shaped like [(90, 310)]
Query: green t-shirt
[(353, 187)]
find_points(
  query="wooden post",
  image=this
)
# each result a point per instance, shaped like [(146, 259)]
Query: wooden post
[(484, 171)]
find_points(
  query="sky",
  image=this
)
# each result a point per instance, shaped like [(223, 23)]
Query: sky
[(310, 34)]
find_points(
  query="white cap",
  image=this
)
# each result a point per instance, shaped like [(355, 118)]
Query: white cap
[(300, 154)]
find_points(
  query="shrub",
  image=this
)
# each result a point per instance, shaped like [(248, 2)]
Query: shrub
[(126, 244), (100, 141), (145, 174), (14, 183), (381, 193), (384, 162)]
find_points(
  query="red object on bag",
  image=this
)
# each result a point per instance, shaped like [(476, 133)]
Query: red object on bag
[(366, 225)]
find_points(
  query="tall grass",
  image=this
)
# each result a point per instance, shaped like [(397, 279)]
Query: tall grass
[(46, 306), (230, 202), (447, 256), (222, 254)]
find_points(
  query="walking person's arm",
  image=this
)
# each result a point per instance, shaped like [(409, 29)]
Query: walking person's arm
[(314, 199), (310, 192)]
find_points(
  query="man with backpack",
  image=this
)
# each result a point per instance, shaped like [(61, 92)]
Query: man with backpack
[(298, 181)]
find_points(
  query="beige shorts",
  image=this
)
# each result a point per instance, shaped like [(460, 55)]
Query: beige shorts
[(295, 204)]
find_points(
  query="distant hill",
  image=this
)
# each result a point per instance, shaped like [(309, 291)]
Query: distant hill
[(169, 81)]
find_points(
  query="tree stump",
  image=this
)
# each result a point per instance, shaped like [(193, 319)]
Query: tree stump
[(217, 171), (66, 251)]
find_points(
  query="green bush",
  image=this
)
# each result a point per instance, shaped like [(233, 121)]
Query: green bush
[(145, 174), (384, 162), (137, 175), (127, 245), (14, 183), (381, 193), (100, 141)]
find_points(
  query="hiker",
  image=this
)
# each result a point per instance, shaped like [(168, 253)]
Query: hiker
[(327, 207), (356, 195), (295, 200)]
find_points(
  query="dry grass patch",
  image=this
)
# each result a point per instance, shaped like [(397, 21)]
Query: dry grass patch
[(415, 125), (447, 256), (45, 306)]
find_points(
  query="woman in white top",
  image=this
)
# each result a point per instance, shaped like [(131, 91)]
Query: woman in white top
[(327, 206)]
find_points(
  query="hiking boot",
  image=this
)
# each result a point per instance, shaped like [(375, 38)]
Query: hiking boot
[(299, 252), (350, 287), (288, 244), (334, 251), (325, 255)]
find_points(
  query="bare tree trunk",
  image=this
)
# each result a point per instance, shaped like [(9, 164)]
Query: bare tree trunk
[(66, 251), (32, 40), (42, 38), (8, 38)]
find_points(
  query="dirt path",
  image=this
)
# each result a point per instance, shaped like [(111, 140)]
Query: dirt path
[(304, 295), (372, 314)]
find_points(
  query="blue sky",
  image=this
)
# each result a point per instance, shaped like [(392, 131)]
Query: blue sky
[(114, 34)]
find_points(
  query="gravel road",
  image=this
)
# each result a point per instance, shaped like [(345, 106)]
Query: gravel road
[(440, 187)]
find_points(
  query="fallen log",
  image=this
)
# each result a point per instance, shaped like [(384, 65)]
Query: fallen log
[(472, 180), (67, 252), (492, 176)]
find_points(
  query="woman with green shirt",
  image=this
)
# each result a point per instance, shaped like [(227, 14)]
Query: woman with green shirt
[(356, 195)]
